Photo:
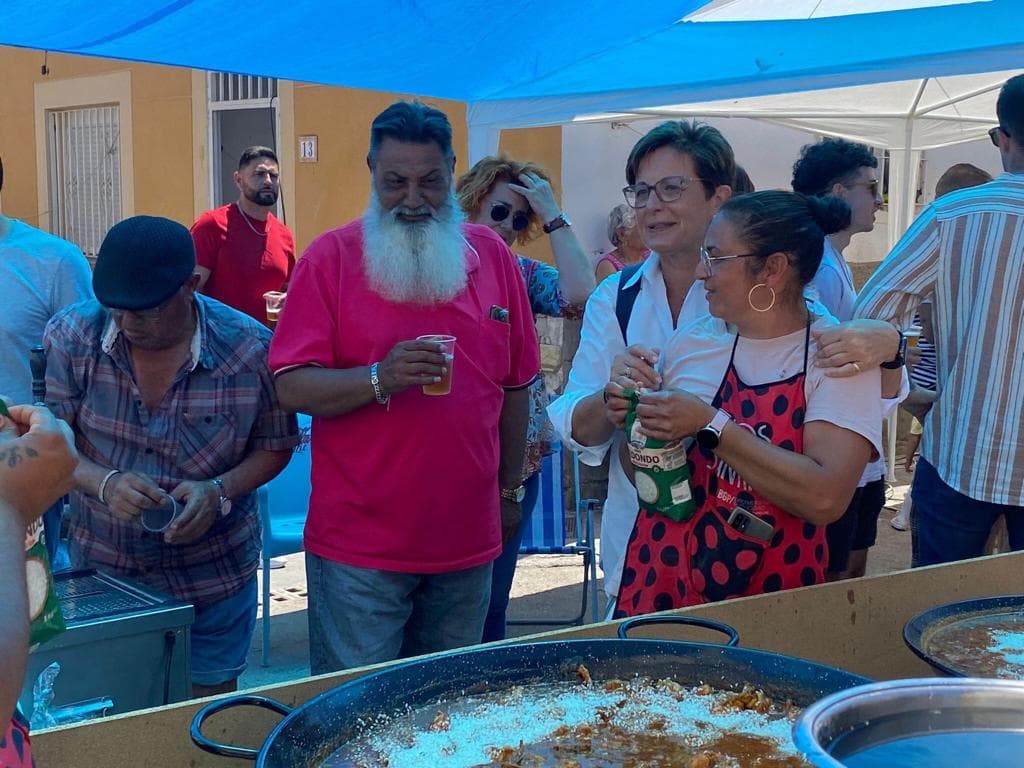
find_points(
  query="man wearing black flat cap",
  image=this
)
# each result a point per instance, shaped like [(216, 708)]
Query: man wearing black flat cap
[(169, 393)]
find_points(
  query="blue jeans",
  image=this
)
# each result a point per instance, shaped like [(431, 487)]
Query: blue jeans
[(947, 526), (359, 616), (505, 568), (221, 635)]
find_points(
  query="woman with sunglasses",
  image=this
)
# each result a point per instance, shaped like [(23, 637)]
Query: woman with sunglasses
[(777, 446), (515, 199)]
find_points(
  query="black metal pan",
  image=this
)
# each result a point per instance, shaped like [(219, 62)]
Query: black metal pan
[(314, 730), (957, 640)]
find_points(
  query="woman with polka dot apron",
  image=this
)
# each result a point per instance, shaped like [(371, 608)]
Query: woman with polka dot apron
[(779, 447)]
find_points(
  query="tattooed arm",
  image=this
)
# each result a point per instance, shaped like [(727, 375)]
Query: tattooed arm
[(37, 459)]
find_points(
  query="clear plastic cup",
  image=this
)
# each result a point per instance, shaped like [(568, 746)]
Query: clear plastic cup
[(913, 335), (158, 519), (444, 386), (275, 302)]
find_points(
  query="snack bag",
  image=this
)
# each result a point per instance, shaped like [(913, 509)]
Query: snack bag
[(43, 606), (662, 475)]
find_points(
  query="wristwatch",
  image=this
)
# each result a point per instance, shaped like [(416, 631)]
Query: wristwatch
[(901, 354), (561, 220), (225, 502), (514, 494), (709, 436)]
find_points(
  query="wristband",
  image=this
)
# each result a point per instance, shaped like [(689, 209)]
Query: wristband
[(103, 484), (378, 393)]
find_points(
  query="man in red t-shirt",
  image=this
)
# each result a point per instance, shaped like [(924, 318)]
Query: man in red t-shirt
[(242, 249), (412, 493)]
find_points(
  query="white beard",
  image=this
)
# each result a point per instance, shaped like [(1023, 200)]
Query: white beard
[(421, 263)]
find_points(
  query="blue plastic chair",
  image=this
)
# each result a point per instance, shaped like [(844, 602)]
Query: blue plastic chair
[(283, 504), (546, 533)]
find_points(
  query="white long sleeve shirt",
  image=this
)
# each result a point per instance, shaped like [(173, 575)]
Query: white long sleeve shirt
[(650, 324)]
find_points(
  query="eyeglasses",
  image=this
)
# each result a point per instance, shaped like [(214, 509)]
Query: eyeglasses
[(708, 261), (520, 219), (994, 138), (668, 189), (871, 185)]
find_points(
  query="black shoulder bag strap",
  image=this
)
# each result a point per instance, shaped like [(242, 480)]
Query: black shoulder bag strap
[(626, 297)]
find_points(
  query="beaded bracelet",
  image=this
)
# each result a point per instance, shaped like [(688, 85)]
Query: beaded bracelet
[(378, 393)]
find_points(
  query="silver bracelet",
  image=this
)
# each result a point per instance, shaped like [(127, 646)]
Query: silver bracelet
[(103, 484), (378, 393)]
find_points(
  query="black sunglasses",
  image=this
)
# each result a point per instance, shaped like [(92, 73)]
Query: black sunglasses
[(500, 212), (992, 134)]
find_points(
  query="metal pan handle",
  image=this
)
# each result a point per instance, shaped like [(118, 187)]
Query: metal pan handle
[(691, 621), (228, 750)]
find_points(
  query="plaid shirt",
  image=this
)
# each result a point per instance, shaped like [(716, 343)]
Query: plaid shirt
[(220, 408)]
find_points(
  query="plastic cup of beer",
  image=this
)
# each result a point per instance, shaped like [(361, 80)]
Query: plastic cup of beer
[(158, 519), (913, 335), (444, 386), (275, 301)]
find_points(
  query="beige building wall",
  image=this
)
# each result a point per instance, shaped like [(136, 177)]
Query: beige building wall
[(165, 126), (334, 190), (158, 158)]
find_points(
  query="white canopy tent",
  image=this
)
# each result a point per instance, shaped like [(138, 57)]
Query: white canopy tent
[(903, 117)]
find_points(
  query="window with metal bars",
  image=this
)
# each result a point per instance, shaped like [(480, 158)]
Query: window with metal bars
[(225, 87), (84, 162)]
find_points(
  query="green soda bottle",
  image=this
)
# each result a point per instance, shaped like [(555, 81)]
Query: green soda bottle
[(662, 475)]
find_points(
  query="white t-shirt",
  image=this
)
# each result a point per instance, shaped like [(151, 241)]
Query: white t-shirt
[(650, 324), (697, 358)]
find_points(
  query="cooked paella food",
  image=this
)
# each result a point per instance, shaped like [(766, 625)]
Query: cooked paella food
[(637, 723), (985, 647)]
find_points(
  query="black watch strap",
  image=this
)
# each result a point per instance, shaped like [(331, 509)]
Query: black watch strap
[(561, 220), (901, 354)]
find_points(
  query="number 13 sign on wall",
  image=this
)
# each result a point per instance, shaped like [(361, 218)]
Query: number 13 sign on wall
[(307, 149)]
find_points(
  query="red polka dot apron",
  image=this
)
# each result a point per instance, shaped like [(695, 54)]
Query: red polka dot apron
[(15, 751), (704, 559)]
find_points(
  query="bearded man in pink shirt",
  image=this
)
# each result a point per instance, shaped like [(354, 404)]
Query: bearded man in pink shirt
[(412, 494)]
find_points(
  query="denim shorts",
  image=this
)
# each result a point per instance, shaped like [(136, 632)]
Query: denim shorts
[(360, 616), (221, 635)]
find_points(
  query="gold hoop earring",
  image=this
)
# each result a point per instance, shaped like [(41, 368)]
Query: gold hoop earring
[(750, 299)]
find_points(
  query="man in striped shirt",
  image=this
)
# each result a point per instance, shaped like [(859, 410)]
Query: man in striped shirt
[(966, 252)]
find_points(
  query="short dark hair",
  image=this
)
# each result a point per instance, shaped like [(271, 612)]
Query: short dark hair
[(960, 176), (777, 221), (255, 153), (1010, 108), (829, 161), (411, 122), (743, 184), (711, 153)]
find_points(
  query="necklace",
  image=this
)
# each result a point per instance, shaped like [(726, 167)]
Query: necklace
[(245, 216)]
